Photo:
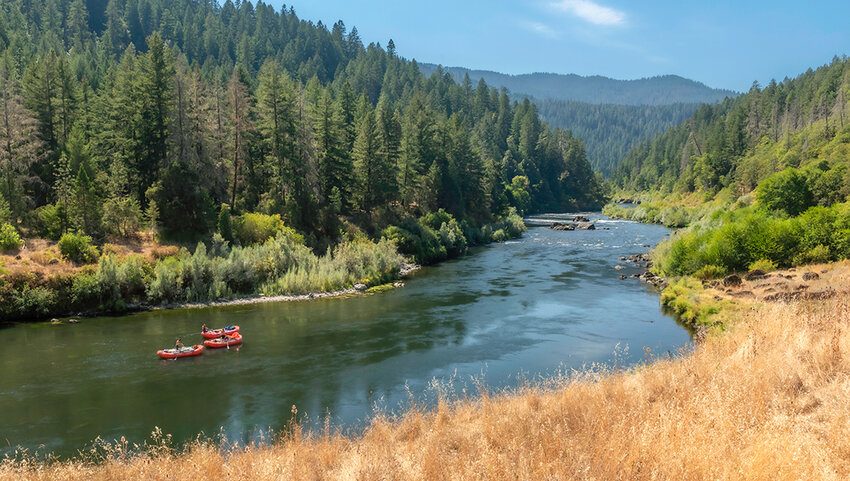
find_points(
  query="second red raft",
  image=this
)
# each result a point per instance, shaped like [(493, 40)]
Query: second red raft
[(227, 341), (215, 333)]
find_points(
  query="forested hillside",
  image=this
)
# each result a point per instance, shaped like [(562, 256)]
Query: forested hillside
[(129, 111), (611, 131), (611, 116), (660, 90), (775, 166), (794, 123)]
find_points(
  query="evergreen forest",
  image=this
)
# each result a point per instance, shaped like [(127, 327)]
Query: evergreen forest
[(127, 113)]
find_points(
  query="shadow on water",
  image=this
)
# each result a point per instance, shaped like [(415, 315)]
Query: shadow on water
[(551, 300)]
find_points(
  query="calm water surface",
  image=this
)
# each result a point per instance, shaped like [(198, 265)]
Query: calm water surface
[(549, 301)]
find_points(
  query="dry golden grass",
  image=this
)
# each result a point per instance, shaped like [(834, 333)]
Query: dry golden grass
[(42, 258), (768, 400)]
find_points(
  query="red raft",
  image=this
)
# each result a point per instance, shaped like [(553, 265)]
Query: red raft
[(195, 350), (216, 333), (226, 341)]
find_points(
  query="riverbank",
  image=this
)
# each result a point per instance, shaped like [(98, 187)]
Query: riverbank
[(39, 285), (766, 400), (405, 271)]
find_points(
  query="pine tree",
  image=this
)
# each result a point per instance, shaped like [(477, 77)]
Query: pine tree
[(155, 92), (20, 146), (366, 153), (86, 205), (276, 108), (334, 163), (239, 104)]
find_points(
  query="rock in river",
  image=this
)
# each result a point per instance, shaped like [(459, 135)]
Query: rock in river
[(559, 226), (585, 226), (580, 218)]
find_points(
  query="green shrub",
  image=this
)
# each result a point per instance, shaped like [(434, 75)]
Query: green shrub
[(9, 238), (674, 216), (86, 290), (36, 301), (165, 285), (513, 224), (435, 220), (499, 236), (765, 265), (77, 248), (255, 228), (452, 238), (786, 191), (417, 240), (122, 216), (816, 255), (710, 272)]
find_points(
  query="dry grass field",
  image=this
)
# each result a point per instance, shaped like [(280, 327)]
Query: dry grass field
[(767, 400)]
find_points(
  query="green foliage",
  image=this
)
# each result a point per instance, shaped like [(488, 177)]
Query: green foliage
[(686, 298), (5, 211), (754, 140), (86, 289), (225, 228), (10, 240), (52, 221), (765, 265), (818, 254), (419, 241), (710, 272), (256, 228), (610, 131), (77, 248), (748, 238), (673, 216), (785, 191), (518, 193), (122, 216), (312, 125)]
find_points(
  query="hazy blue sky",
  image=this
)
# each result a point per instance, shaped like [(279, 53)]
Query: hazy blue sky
[(722, 43)]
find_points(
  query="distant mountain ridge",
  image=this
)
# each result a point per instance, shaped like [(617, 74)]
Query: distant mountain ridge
[(660, 90)]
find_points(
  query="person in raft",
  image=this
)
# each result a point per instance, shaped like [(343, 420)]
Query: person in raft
[(179, 344), (204, 328)]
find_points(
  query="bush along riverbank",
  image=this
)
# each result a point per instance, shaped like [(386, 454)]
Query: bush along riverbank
[(273, 262)]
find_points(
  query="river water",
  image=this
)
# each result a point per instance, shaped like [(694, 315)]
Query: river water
[(525, 308)]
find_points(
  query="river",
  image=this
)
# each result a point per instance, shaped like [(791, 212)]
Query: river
[(507, 312)]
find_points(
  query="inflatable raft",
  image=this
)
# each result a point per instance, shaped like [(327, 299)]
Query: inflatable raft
[(195, 350), (216, 333), (226, 341)]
